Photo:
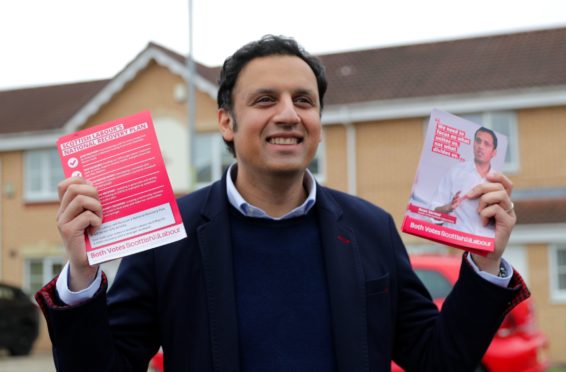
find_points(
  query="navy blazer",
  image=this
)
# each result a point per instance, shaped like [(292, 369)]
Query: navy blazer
[(181, 296)]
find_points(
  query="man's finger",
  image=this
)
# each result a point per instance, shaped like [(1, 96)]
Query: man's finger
[(77, 225), (63, 185), (495, 197), (77, 206), (497, 177), (75, 189), (484, 188)]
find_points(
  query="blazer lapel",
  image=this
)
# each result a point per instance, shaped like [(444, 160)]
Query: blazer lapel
[(346, 286), (214, 242)]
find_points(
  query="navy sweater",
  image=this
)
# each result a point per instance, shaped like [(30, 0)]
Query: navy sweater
[(282, 300)]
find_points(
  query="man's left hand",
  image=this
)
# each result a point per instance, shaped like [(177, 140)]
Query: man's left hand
[(495, 205)]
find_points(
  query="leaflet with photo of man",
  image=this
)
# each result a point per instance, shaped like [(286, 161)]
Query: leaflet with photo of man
[(123, 160), (457, 154)]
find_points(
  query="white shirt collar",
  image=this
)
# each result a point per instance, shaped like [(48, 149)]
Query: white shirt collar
[(249, 210)]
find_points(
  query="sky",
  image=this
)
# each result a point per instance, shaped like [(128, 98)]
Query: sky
[(47, 42)]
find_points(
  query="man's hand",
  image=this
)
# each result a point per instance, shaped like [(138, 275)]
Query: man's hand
[(495, 205), (79, 211)]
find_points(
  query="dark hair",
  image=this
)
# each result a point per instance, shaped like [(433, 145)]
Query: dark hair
[(267, 46), (490, 132)]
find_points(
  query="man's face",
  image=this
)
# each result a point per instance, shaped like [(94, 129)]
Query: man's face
[(483, 148), (276, 106)]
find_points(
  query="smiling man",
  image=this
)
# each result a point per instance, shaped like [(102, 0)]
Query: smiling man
[(276, 98), (277, 273)]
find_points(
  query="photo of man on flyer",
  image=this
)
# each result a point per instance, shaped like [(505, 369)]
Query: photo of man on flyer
[(451, 194)]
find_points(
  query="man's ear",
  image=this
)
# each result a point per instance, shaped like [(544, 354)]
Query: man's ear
[(493, 154), (226, 124)]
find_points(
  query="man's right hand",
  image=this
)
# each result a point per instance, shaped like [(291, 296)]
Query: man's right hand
[(454, 203), (79, 212)]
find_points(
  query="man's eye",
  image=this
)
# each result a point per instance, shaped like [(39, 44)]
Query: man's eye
[(304, 100), (264, 99)]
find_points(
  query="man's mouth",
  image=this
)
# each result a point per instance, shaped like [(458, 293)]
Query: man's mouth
[(284, 140)]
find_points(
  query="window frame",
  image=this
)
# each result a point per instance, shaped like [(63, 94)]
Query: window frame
[(173, 142), (217, 147), (47, 272), (557, 295), (45, 193), (320, 156)]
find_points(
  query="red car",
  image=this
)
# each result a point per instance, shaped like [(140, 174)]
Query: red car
[(518, 346), (156, 363)]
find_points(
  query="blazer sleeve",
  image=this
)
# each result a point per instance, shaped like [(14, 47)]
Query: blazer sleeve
[(86, 338), (455, 338)]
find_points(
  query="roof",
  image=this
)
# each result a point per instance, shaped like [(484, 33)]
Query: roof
[(209, 73), (541, 211), (483, 64), (533, 59), (44, 108)]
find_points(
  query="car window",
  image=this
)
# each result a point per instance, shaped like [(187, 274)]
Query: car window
[(437, 285)]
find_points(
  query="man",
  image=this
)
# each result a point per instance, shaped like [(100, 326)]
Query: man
[(451, 196), (277, 272)]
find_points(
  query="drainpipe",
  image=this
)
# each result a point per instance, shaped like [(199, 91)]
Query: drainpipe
[(351, 165)]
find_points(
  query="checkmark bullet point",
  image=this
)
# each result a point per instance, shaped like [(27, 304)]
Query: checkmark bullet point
[(73, 162)]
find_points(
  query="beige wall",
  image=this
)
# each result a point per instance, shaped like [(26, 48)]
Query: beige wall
[(153, 89), (542, 144), (28, 229), (387, 157), (336, 157)]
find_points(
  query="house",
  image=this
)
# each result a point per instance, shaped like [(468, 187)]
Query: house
[(374, 122)]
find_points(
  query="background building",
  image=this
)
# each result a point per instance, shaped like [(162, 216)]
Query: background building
[(374, 123)]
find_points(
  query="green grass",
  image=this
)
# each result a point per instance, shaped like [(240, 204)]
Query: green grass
[(557, 369)]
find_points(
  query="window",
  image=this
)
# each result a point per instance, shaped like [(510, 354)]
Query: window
[(317, 165), (557, 264), (517, 257), (504, 122), (42, 173), (212, 158), (39, 271), (174, 145)]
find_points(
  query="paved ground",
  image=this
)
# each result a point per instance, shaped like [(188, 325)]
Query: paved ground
[(38, 362)]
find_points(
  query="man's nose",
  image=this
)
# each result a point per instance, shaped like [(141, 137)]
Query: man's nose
[(287, 112)]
